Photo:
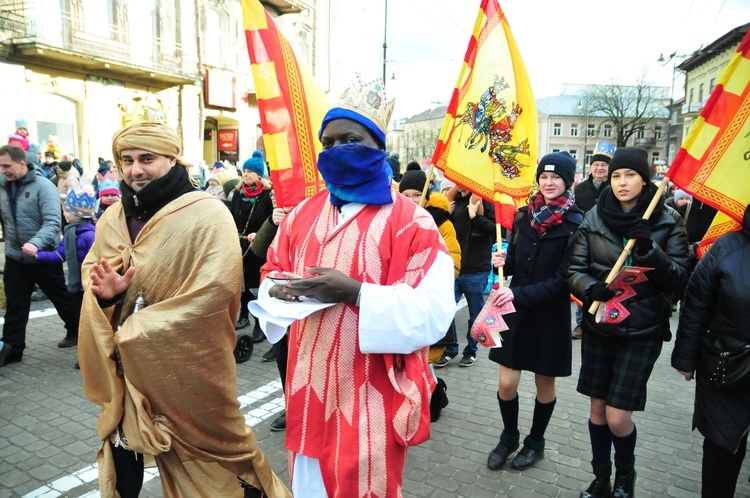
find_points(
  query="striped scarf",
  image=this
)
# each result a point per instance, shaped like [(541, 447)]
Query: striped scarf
[(545, 215)]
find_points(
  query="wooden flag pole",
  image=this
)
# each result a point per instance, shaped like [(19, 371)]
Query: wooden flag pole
[(426, 187), (499, 228), (629, 246)]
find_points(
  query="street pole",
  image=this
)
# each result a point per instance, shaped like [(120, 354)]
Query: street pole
[(385, 38), (585, 139), (669, 121)]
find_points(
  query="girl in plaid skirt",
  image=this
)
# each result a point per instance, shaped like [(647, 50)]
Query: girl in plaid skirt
[(617, 358)]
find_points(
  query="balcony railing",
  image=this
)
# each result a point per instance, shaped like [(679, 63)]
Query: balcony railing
[(23, 24), (692, 107), (645, 141)]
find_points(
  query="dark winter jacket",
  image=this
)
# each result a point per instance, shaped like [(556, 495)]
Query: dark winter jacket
[(84, 241), (586, 193), (538, 339), (597, 248), (35, 217), (248, 218), (475, 236), (716, 313)]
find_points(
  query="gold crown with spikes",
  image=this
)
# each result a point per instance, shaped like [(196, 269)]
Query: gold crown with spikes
[(369, 100), (148, 110)]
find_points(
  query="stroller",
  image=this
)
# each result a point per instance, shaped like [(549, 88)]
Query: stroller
[(243, 348)]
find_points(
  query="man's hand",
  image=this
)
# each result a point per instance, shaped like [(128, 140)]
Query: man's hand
[(475, 199), (328, 286), (502, 296), (107, 283), (688, 375), (451, 207), (29, 249), (474, 207), (251, 237)]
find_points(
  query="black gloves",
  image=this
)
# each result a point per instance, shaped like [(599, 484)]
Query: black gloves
[(600, 292), (641, 232)]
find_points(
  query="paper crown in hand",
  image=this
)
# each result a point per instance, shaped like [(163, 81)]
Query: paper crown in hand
[(604, 151), (81, 203), (109, 184)]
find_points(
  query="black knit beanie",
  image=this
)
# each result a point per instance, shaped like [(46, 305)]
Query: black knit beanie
[(412, 180), (634, 158), (560, 163)]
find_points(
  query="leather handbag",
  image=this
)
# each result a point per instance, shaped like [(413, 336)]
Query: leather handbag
[(725, 369)]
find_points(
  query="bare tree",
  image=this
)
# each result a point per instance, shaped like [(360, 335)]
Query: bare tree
[(629, 108)]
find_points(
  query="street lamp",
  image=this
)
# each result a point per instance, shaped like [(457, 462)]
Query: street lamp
[(585, 138), (385, 38), (672, 57)]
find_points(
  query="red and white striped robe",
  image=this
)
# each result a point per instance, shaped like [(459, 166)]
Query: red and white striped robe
[(356, 413)]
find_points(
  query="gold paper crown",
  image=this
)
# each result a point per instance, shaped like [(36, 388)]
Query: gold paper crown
[(149, 110), (369, 100)]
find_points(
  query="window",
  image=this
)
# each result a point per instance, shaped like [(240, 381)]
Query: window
[(700, 93), (573, 129), (692, 94), (711, 85), (574, 153), (607, 131), (555, 150), (654, 157), (557, 129), (657, 132), (588, 155), (640, 133), (591, 130)]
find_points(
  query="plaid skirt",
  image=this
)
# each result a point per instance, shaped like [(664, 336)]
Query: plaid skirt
[(617, 369)]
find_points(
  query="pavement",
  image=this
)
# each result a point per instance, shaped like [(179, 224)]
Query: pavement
[(48, 442)]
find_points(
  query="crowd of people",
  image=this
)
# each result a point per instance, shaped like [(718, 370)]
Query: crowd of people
[(362, 369)]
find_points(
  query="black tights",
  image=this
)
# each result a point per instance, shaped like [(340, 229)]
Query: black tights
[(129, 470), (721, 469)]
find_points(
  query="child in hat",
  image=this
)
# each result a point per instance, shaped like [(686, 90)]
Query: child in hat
[(21, 136), (78, 237), (109, 191)]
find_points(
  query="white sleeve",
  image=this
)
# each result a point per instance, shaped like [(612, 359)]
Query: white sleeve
[(402, 319)]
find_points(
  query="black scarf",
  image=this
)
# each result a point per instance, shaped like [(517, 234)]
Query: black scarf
[(610, 209), (156, 194)]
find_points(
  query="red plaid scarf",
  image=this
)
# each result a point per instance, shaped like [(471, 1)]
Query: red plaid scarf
[(545, 215)]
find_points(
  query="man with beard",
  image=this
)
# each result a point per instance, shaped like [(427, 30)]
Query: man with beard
[(156, 348)]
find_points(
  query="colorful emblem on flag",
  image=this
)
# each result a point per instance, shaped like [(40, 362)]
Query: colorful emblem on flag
[(713, 163), (488, 140), (291, 105)]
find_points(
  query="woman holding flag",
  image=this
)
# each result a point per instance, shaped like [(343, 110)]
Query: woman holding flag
[(538, 339), (617, 358)]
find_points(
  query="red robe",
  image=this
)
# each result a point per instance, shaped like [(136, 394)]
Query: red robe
[(356, 413)]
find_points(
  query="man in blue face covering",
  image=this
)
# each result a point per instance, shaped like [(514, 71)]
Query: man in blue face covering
[(358, 384)]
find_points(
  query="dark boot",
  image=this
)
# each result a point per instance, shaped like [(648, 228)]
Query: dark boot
[(439, 400), (624, 484), (502, 451), (532, 452), (599, 488)]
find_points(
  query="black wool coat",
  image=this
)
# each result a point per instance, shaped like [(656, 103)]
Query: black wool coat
[(538, 339), (587, 194), (716, 313)]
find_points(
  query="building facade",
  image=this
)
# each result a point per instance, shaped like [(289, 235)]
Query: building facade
[(70, 68), (702, 70)]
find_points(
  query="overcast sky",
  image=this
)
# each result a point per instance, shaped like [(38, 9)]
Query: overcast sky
[(561, 41)]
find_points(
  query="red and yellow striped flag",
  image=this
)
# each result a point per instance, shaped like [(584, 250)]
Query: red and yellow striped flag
[(713, 163), (291, 106), (488, 142)]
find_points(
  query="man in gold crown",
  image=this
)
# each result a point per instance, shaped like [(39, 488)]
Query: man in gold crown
[(358, 385), (156, 347)]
